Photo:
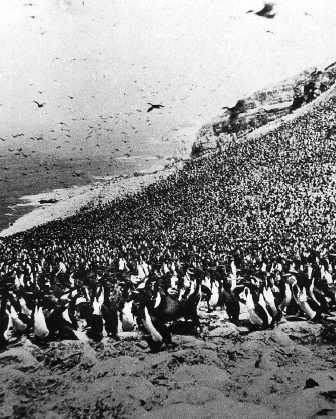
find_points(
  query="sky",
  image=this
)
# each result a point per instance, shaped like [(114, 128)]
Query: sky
[(95, 65), (77, 78)]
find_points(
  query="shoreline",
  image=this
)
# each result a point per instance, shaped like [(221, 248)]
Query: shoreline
[(105, 188), (71, 200)]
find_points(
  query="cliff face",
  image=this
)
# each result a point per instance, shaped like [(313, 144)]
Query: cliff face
[(264, 106)]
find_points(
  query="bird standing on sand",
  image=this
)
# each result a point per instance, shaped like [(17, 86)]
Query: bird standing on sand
[(154, 107)]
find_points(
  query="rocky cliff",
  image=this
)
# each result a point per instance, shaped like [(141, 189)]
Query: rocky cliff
[(264, 106)]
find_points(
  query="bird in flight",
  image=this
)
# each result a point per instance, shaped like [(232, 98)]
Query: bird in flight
[(154, 107), (39, 105), (267, 11), (240, 107)]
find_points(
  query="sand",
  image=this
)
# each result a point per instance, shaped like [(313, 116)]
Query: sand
[(72, 199), (225, 372)]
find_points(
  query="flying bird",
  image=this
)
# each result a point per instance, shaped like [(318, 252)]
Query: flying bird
[(267, 11), (154, 107), (240, 107), (39, 105)]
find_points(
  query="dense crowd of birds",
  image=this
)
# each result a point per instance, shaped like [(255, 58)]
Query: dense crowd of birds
[(252, 224)]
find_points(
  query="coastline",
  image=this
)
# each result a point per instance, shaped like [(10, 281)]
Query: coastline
[(105, 188), (71, 200)]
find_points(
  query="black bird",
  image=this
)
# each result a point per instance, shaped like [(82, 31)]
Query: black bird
[(113, 302), (230, 297), (4, 319), (266, 11), (154, 107), (240, 107), (39, 105)]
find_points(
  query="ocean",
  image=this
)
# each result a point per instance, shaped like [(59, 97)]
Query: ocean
[(38, 174)]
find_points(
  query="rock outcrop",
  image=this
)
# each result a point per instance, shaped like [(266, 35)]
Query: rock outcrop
[(263, 107)]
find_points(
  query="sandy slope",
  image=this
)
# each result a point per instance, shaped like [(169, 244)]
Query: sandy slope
[(225, 373)]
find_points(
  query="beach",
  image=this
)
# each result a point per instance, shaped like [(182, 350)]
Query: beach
[(70, 201), (91, 184)]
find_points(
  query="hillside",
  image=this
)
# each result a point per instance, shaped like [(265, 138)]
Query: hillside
[(266, 199), (254, 208), (264, 106)]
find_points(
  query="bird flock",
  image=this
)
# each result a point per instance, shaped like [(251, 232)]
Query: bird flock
[(250, 226), (153, 299)]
